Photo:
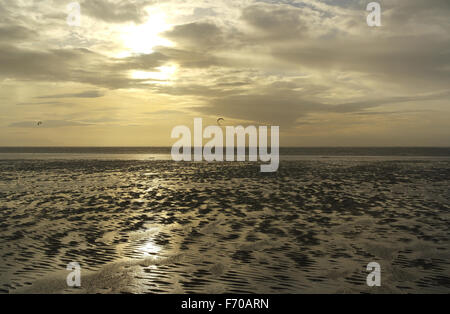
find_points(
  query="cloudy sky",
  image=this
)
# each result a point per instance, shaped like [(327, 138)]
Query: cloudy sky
[(133, 70)]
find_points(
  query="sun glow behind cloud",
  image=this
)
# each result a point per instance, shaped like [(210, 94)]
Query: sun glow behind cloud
[(163, 76), (143, 38)]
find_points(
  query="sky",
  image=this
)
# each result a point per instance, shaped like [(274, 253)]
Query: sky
[(133, 70)]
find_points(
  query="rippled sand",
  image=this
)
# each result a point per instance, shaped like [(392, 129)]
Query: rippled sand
[(166, 227)]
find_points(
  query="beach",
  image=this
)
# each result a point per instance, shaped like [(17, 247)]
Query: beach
[(157, 226)]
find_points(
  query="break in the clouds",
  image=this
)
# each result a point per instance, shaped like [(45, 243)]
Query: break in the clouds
[(315, 68)]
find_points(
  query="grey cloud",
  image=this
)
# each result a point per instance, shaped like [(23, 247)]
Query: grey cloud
[(399, 12), (50, 103), (32, 64), (409, 59), (10, 33), (386, 113), (73, 65), (233, 84), (277, 22), (86, 94), (116, 11), (199, 35), (272, 104), (282, 106), (140, 62), (416, 55), (193, 90), (202, 12), (366, 104), (192, 58)]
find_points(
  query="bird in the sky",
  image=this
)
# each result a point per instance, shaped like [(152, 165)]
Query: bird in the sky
[(220, 119)]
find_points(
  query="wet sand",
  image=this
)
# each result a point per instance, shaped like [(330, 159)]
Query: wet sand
[(165, 227)]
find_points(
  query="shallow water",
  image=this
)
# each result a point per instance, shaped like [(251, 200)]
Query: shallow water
[(159, 226)]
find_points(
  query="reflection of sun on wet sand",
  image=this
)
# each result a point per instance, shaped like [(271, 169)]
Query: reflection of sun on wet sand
[(168, 227)]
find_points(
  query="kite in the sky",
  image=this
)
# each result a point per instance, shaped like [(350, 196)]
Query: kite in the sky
[(220, 119), (39, 123)]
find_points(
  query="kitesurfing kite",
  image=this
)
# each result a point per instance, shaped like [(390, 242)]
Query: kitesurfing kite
[(220, 119)]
